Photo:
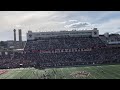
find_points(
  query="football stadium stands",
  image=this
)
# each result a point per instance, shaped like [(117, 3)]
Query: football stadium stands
[(62, 51)]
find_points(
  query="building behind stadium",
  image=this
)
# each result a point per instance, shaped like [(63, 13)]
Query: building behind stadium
[(83, 33), (106, 37), (65, 48)]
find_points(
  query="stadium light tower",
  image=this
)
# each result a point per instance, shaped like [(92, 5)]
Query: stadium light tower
[(20, 37), (14, 38), (14, 35)]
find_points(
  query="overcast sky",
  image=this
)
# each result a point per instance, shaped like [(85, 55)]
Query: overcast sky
[(105, 21)]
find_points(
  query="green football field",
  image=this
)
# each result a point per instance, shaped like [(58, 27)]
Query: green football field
[(93, 72)]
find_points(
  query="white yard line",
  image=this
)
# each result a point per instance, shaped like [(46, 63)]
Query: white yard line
[(116, 70), (100, 74), (109, 74), (92, 75), (55, 76), (70, 72), (62, 72), (116, 73)]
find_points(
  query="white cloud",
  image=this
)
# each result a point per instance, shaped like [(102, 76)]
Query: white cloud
[(73, 20), (78, 25), (110, 26), (56, 20)]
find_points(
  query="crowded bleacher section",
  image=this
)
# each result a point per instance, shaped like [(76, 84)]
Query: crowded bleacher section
[(62, 51)]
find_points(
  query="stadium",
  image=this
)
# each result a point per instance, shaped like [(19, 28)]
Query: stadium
[(76, 54)]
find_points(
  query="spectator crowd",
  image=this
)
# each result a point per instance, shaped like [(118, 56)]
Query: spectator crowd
[(97, 53)]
